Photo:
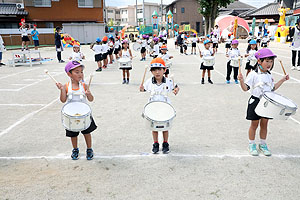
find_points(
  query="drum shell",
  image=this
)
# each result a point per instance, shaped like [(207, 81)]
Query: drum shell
[(124, 64), (154, 125), (75, 123), (208, 61), (235, 62), (271, 109), (253, 61)]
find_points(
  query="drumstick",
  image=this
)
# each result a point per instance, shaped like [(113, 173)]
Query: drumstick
[(144, 75), (282, 67), (240, 71), (47, 72), (91, 77)]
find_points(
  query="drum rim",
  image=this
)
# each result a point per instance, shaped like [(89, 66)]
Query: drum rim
[(76, 117), (149, 119), (279, 104)]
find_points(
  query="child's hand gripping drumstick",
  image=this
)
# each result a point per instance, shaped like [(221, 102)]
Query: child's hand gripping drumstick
[(239, 59), (175, 91), (47, 72), (143, 80)]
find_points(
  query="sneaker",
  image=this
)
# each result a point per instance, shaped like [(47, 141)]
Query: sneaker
[(210, 81), (127, 82), (155, 148), (236, 81), (264, 149), (22, 49), (228, 82), (2, 64), (298, 68), (293, 68), (252, 149), (142, 59), (75, 154), (61, 61), (165, 147), (89, 154), (124, 81), (99, 69), (202, 81)]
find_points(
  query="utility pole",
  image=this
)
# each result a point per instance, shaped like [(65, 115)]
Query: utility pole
[(143, 12), (136, 15), (161, 7)]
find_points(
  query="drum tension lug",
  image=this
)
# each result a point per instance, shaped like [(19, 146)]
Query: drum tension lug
[(282, 111), (266, 104)]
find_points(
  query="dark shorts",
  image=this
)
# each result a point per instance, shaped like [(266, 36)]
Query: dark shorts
[(36, 43), (104, 56), (98, 57), (165, 41), (0, 55), (248, 66), (252, 104), (110, 51), (227, 46), (90, 129), (194, 44), (203, 67), (185, 47), (258, 40), (154, 56), (25, 38), (175, 42), (126, 68), (264, 44), (143, 49), (116, 51), (215, 45)]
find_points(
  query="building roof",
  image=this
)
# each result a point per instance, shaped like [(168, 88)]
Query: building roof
[(269, 9), (11, 9), (235, 8)]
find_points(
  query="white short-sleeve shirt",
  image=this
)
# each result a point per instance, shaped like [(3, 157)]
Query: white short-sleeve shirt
[(165, 57), (206, 52), (24, 31), (234, 53), (251, 54), (259, 82), (159, 92), (105, 48), (77, 56), (97, 48), (156, 49)]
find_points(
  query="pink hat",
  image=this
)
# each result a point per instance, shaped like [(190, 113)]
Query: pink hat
[(264, 53), (234, 42), (72, 65)]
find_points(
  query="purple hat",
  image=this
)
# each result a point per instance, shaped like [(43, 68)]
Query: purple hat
[(144, 36), (72, 65), (155, 39), (234, 42), (264, 53), (161, 36), (124, 41)]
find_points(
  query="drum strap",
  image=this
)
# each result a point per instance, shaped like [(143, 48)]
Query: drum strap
[(79, 92)]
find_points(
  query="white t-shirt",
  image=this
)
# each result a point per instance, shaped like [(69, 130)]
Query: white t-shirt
[(97, 48), (2, 47), (144, 43), (251, 54), (233, 53), (111, 44), (125, 54), (76, 56), (194, 40), (265, 40), (23, 31), (214, 40), (159, 92), (228, 41), (117, 44), (259, 82), (156, 49), (296, 40), (165, 57), (206, 52), (105, 48)]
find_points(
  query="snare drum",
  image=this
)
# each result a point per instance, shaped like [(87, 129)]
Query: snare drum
[(208, 61), (137, 46), (124, 63), (235, 62), (76, 116), (159, 115), (273, 105), (253, 61)]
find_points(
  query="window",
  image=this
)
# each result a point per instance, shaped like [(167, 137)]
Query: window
[(49, 24), (110, 11), (117, 12), (182, 10), (139, 10), (85, 3), (42, 3), (174, 10), (124, 19), (124, 11)]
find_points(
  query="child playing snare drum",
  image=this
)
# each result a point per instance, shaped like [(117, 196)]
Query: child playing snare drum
[(250, 54), (72, 92), (259, 81), (166, 57), (126, 53), (159, 85), (76, 54), (233, 53), (207, 52)]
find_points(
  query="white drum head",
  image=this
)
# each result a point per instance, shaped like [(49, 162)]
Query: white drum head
[(208, 58), (76, 109), (159, 111), (137, 46), (280, 99), (124, 60)]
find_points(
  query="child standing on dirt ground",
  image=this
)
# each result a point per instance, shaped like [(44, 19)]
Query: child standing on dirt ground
[(35, 37), (72, 92), (97, 48), (58, 44)]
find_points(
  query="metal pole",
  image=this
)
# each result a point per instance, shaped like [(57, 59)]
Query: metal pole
[(143, 12), (161, 13), (136, 16)]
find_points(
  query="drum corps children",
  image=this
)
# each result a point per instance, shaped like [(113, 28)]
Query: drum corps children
[(228, 43), (111, 44), (194, 43), (155, 51), (233, 54), (76, 54), (250, 54), (125, 53), (166, 57), (258, 82), (105, 49), (97, 48), (77, 91), (117, 47), (206, 53), (159, 86)]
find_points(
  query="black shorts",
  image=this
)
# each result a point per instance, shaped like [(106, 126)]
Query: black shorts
[(203, 67), (194, 44), (143, 49), (116, 51), (98, 57), (258, 40), (185, 47), (154, 56), (36, 43), (165, 41), (248, 66), (264, 44), (25, 38), (90, 129), (252, 104), (175, 42), (110, 51), (227, 46), (215, 45), (104, 56)]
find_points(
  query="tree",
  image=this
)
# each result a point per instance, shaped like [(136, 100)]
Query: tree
[(210, 11)]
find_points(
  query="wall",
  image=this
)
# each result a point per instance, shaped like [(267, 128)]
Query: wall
[(66, 11)]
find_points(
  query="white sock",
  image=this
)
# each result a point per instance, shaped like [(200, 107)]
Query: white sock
[(251, 141), (262, 141)]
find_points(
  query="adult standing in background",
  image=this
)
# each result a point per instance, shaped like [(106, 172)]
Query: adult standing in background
[(58, 44), (2, 48), (35, 37), (294, 33)]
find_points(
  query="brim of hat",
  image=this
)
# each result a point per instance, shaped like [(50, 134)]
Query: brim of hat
[(74, 67)]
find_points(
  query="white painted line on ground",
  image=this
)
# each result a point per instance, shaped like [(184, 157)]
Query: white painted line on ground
[(26, 117), (18, 73), (150, 155), (294, 120), (281, 74), (22, 105)]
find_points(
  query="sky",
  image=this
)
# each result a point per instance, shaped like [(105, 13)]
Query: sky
[(255, 3)]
